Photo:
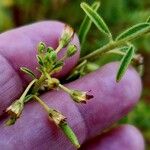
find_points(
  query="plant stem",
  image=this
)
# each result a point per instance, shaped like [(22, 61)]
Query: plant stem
[(58, 48), (65, 89), (102, 50), (27, 90), (112, 45), (45, 106), (137, 57), (38, 84)]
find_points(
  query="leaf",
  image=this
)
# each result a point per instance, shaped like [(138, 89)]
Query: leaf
[(28, 71), (124, 63), (134, 31), (86, 24), (148, 20), (28, 98), (124, 48), (95, 18)]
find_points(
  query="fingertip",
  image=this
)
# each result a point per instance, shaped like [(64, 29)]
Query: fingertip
[(125, 137)]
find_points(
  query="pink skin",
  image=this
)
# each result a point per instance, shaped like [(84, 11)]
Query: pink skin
[(33, 130), (18, 49), (125, 137), (111, 102)]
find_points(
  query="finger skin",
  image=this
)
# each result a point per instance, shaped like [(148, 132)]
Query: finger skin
[(18, 49), (125, 137), (111, 102)]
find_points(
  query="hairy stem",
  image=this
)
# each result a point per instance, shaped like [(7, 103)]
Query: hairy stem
[(38, 84), (136, 58), (67, 90), (27, 90), (112, 45), (45, 106)]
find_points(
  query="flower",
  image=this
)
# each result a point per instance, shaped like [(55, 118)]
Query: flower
[(80, 96), (56, 116), (15, 109)]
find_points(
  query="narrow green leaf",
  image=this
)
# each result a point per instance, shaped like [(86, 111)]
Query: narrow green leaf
[(95, 18), (28, 98), (125, 63), (28, 71), (134, 31), (86, 24), (148, 20), (124, 48)]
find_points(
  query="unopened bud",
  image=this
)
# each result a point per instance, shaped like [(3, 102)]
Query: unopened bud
[(66, 36), (41, 47), (51, 57), (72, 49), (50, 49)]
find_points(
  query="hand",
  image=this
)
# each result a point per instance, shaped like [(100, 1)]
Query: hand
[(33, 130)]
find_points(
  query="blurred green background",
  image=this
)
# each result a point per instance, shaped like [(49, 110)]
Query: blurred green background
[(119, 14)]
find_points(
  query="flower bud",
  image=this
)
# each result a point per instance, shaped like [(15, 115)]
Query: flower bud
[(41, 47), (15, 109), (80, 96), (50, 49), (50, 57), (53, 55), (66, 36), (72, 49)]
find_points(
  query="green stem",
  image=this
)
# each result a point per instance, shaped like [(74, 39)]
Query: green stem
[(63, 58), (45, 106), (136, 57), (38, 84), (67, 90), (27, 90), (112, 45), (58, 48)]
